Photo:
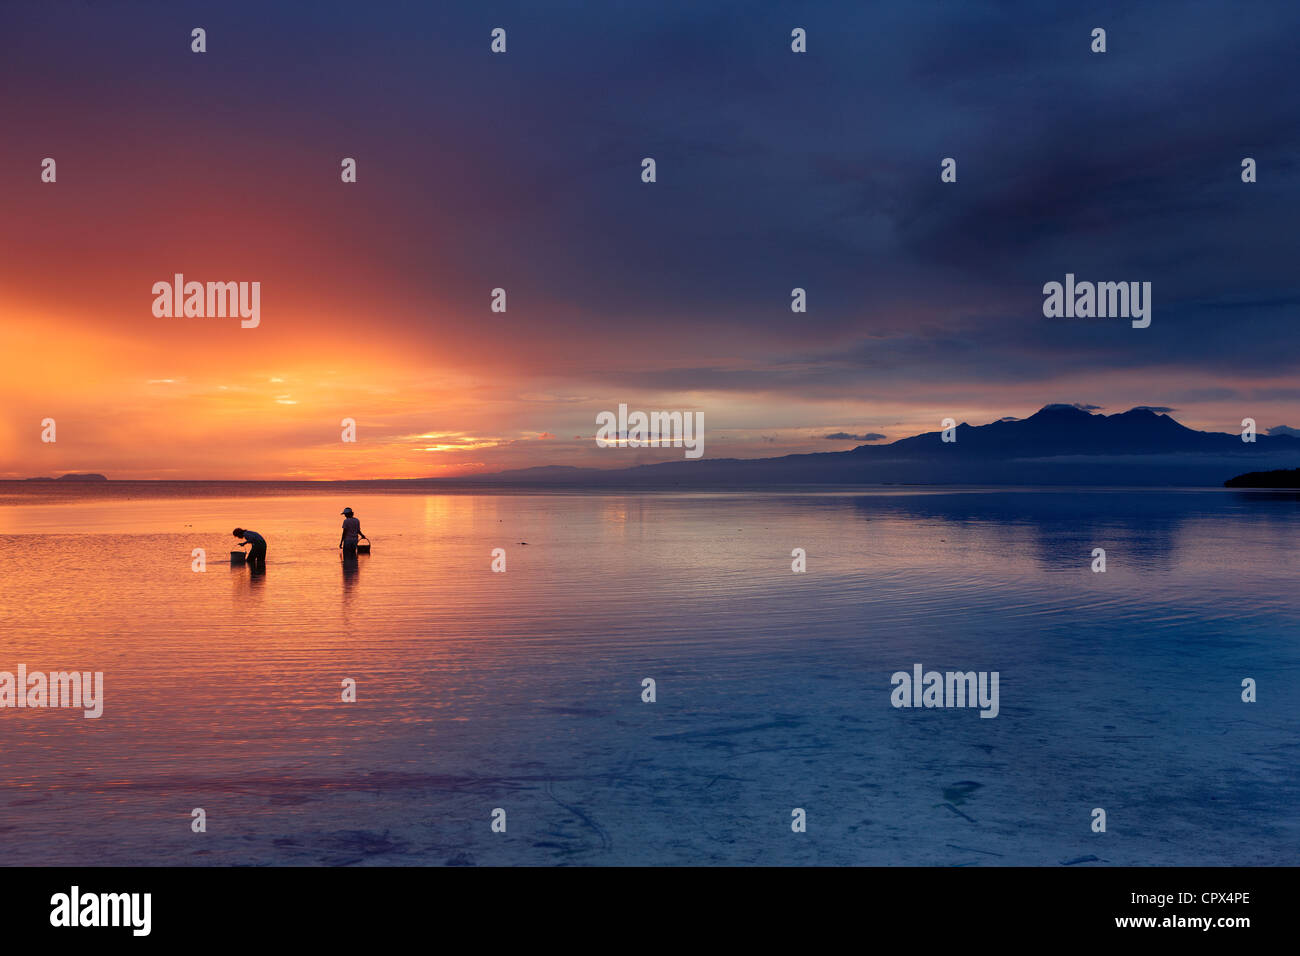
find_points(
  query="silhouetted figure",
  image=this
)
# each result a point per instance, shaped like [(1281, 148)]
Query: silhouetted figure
[(257, 556), (351, 535)]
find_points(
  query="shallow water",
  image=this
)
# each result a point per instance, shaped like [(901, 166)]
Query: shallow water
[(522, 690)]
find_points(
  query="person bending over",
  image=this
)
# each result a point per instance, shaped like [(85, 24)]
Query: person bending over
[(257, 556)]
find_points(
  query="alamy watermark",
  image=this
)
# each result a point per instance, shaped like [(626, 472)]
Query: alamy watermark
[(216, 300), (1102, 300), (651, 430), (951, 689), (82, 689), (75, 908)]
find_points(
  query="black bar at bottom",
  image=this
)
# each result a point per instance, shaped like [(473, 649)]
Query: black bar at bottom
[(656, 906), (334, 905)]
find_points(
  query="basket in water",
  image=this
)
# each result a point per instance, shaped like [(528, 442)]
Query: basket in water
[(363, 548), (238, 557)]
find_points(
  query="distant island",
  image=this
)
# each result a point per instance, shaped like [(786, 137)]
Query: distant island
[(74, 476), (1285, 478)]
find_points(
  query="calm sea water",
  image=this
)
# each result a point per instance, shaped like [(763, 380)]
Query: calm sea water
[(522, 690)]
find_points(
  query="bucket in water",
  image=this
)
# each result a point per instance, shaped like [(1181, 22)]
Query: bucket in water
[(237, 557), (363, 548)]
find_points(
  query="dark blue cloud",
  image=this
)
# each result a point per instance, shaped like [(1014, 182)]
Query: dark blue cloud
[(775, 170), (845, 436)]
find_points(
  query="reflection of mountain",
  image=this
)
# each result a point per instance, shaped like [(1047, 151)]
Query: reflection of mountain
[(1060, 528), (1058, 445)]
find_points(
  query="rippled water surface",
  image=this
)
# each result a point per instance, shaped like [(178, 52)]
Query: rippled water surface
[(522, 690)]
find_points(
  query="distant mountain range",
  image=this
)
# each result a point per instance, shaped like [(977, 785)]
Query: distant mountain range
[(1057, 445)]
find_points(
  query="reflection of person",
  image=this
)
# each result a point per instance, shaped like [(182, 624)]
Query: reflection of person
[(257, 556), (351, 534)]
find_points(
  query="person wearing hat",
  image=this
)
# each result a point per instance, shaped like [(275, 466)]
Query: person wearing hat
[(351, 535)]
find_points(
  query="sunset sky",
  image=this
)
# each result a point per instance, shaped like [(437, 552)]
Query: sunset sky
[(522, 171)]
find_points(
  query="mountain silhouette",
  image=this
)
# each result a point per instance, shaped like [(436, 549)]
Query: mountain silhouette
[(1057, 445)]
